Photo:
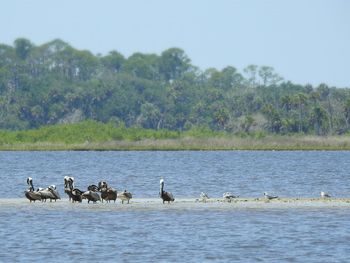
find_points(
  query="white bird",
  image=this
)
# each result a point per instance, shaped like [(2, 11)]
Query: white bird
[(203, 197), (269, 197), (325, 195)]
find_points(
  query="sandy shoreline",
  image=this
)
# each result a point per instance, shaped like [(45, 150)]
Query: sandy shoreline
[(181, 204)]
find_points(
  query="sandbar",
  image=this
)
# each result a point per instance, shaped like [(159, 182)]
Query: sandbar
[(185, 204)]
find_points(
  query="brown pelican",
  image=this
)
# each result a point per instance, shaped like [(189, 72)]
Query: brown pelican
[(75, 195), (30, 193), (325, 195), (53, 190), (166, 196), (269, 197), (68, 181), (91, 194), (125, 196), (92, 187), (107, 193), (45, 194)]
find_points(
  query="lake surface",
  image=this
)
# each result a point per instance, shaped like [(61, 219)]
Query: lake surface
[(39, 232)]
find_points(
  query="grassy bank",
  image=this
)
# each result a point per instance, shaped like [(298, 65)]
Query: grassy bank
[(91, 135)]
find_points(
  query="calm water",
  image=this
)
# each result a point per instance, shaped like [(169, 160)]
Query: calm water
[(39, 232)]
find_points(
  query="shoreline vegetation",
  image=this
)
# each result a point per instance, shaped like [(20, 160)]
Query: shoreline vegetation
[(55, 83), (96, 136)]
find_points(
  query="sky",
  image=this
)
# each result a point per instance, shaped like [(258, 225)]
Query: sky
[(305, 41)]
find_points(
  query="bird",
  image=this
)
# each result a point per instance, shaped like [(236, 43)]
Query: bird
[(125, 196), (91, 195), (229, 196), (166, 196), (45, 194), (325, 195), (74, 194), (49, 193), (92, 187), (203, 197), (53, 190), (68, 186), (30, 193), (107, 193), (269, 197)]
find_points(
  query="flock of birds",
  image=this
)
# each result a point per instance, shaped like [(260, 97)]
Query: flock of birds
[(102, 192), (228, 196)]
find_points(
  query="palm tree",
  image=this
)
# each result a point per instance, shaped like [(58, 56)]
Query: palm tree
[(325, 95), (346, 110), (300, 100), (286, 102), (319, 117)]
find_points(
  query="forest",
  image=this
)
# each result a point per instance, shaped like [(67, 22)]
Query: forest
[(55, 83)]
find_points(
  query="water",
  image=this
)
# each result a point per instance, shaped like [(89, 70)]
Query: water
[(40, 232)]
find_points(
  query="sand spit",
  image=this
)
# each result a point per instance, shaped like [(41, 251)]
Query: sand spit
[(150, 204)]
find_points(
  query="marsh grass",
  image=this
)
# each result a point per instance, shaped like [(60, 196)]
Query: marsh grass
[(90, 135), (190, 143)]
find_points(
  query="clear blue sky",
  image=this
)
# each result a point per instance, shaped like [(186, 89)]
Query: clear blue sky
[(306, 41)]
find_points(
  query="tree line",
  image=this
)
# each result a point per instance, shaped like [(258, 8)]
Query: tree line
[(56, 83)]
